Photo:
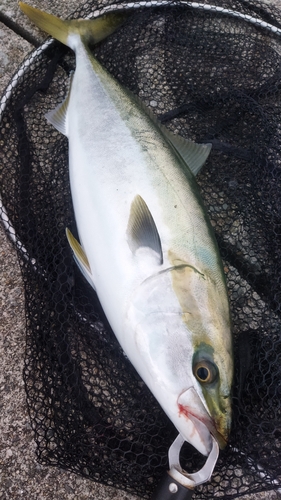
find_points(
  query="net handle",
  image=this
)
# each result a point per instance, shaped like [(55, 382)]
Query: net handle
[(170, 489)]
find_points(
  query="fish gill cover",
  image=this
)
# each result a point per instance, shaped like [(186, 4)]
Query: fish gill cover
[(211, 77)]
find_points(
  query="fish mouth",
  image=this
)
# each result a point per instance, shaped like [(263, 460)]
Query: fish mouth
[(208, 423), (191, 407)]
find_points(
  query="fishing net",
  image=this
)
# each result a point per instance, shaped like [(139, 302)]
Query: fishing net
[(210, 76)]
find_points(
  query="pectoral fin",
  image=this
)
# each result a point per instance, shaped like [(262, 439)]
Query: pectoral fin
[(80, 257), (142, 230)]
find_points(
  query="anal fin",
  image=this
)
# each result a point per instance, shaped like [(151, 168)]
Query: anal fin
[(58, 116)]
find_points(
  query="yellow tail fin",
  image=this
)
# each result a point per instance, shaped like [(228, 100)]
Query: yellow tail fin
[(94, 29)]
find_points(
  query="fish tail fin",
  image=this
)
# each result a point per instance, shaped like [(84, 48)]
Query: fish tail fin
[(93, 30)]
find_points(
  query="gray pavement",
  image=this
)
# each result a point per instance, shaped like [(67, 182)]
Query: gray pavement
[(21, 477)]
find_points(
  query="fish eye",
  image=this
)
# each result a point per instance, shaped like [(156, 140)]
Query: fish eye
[(205, 372)]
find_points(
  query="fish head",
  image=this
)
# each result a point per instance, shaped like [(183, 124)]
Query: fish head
[(203, 301), (184, 360), (208, 401)]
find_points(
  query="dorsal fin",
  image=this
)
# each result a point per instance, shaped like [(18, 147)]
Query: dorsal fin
[(193, 154), (142, 230)]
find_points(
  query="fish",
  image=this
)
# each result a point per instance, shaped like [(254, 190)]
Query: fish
[(146, 244)]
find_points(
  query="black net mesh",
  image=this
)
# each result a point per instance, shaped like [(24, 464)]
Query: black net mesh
[(212, 77)]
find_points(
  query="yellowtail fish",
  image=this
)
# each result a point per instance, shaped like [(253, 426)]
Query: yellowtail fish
[(146, 243)]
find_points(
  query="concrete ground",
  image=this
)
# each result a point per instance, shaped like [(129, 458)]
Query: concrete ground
[(21, 477)]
